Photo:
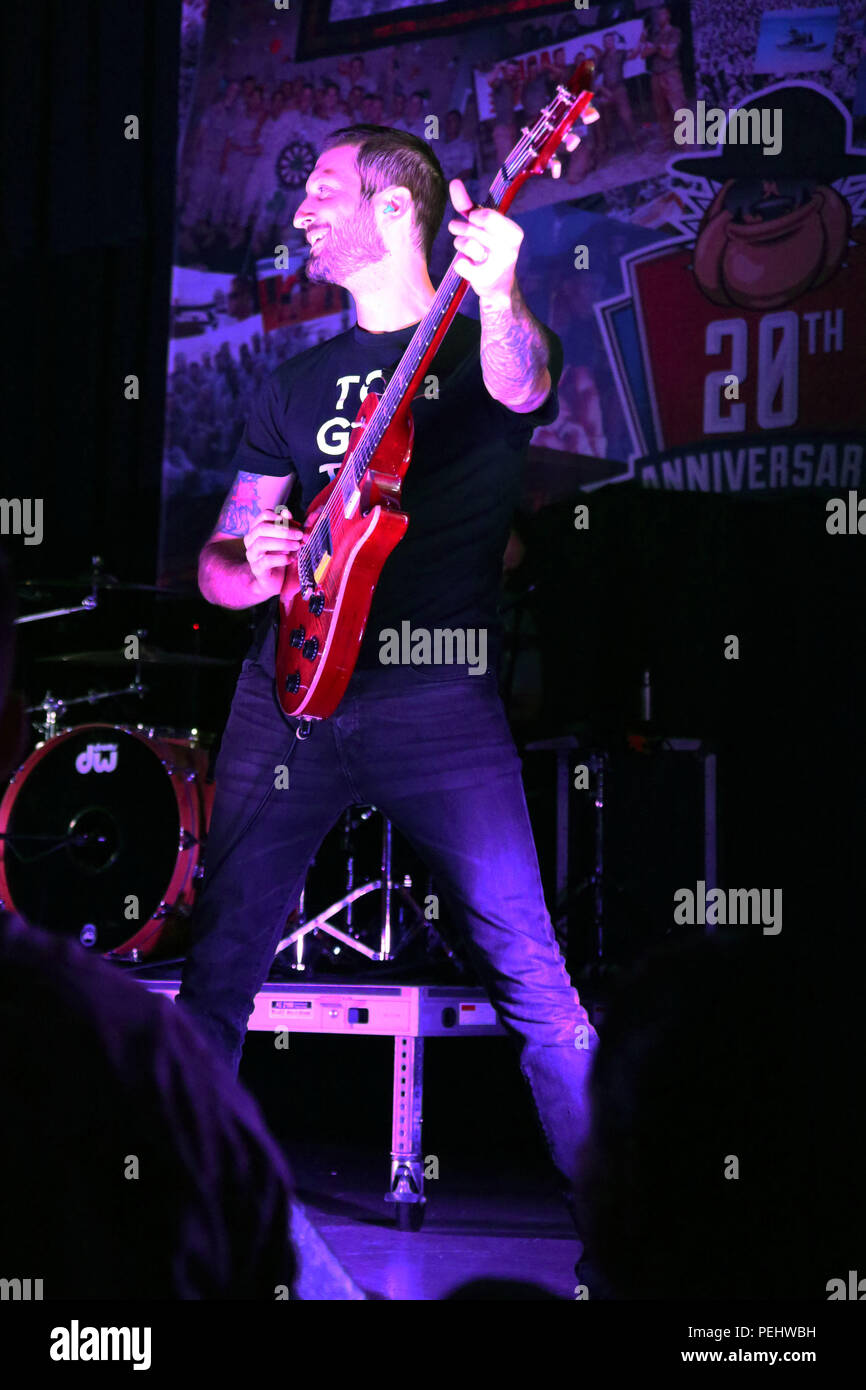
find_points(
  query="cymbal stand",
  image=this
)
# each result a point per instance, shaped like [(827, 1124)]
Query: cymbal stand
[(86, 605), (52, 707), (565, 748), (384, 885)]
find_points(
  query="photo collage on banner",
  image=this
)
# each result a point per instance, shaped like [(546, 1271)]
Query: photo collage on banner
[(684, 253)]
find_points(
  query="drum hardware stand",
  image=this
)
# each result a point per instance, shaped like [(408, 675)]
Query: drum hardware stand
[(597, 764), (187, 840), (76, 841), (135, 955), (565, 749), (51, 707), (385, 885), (85, 606)]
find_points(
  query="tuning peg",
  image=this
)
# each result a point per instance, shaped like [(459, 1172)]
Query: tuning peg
[(555, 168), (589, 115), (572, 140)]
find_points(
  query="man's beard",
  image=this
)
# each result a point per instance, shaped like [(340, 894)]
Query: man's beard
[(347, 247)]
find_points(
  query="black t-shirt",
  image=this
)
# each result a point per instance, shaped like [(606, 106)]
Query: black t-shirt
[(464, 480)]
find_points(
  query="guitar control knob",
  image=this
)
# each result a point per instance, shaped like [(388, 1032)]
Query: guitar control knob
[(293, 682), (296, 637), (311, 649), (317, 604)]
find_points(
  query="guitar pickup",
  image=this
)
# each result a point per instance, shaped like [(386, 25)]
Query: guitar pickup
[(324, 549), (352, 504)]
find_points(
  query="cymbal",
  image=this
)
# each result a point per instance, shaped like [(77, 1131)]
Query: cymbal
[(32, 588), (148, 656)]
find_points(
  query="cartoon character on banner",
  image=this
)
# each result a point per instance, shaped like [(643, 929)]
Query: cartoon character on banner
[(777, 227), (739, 344)]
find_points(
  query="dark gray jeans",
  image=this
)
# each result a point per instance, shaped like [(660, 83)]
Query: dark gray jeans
[(433, 751)]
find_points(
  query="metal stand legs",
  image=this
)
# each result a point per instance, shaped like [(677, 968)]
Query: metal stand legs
[(407, 1159)]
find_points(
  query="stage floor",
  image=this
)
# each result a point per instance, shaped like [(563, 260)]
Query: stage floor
[(493, 1211), (479, 1225)]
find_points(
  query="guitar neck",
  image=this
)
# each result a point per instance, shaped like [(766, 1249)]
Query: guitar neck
[(424, 344)]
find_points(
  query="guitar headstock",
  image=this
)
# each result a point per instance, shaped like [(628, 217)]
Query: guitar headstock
[(581, 78), (537, 147)]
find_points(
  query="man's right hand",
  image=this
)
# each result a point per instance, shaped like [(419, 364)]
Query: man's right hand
[(244, 560), (270, 543)]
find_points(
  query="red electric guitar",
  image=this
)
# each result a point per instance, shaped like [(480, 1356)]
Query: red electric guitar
[(330, 580)]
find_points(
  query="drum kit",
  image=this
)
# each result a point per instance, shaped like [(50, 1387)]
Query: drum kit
[(103, 828)]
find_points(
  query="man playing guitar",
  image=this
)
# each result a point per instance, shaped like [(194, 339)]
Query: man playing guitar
[(428, 745)]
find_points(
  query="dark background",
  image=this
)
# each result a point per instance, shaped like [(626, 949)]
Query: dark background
[(87, 228)]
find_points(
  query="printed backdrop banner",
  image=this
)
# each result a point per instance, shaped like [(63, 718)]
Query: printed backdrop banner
[(573, 51), (710, 300), (738, 345)]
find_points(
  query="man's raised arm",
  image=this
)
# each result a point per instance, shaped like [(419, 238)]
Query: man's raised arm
[(515, 350)]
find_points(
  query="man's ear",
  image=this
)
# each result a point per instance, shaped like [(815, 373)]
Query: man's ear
[(395, 202), (13, 733)]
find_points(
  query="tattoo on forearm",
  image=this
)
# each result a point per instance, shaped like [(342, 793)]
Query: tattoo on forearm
[(241, 506), (514, 351)]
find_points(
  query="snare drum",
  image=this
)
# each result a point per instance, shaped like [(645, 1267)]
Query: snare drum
[(103, 834)]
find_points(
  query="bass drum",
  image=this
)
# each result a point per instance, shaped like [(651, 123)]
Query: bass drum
[(104, 829)]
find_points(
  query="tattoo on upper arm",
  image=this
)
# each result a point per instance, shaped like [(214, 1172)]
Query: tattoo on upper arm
[(242, 505)]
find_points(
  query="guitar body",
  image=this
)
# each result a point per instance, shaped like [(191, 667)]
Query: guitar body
[(320, 629)]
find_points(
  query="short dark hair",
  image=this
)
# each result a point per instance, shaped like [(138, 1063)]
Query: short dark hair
[(387, 156)]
